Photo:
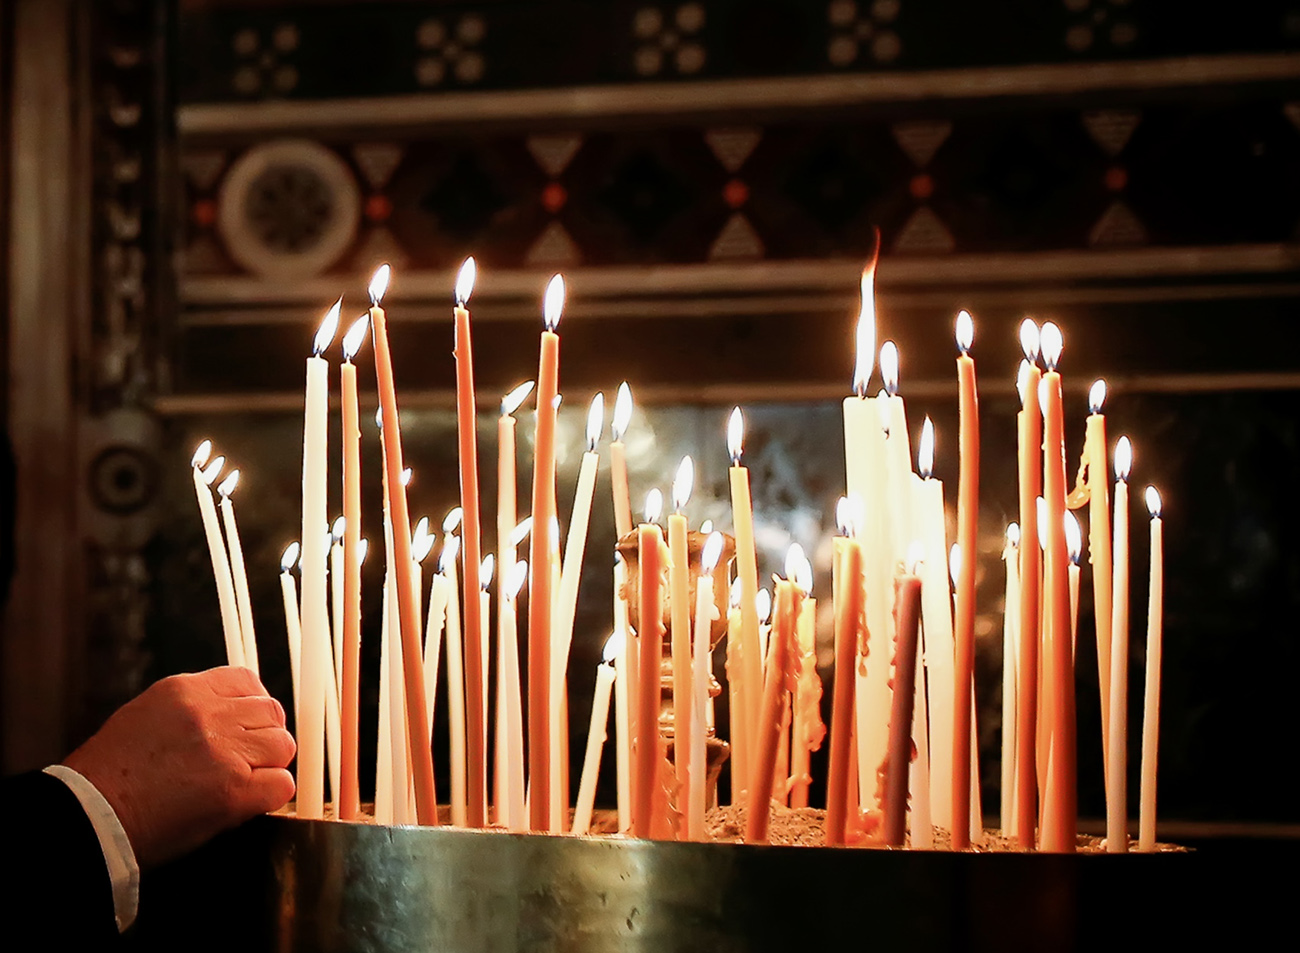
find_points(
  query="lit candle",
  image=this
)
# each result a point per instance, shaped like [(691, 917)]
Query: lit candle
[(650, 560), (1029, 429), (606, 675), (1074, 548), (315, 621), (964, 624), (744, 723), (407, 612), (1117, 739), (898, 455), (807, 727), (779, 677), (706, 611), (1060, 815), (540, 607), (849, 622), (570, 576), (238, 571), (907, 607), (618, 460), (292, 622), (1010, 617), (1151, 697), (1097, 489), (510, 719), (350, 664), (203, 480), (679, 585)]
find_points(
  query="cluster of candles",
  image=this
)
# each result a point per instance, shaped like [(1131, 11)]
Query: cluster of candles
[(902, 732)]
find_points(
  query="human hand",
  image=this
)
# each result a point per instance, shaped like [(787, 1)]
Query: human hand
[(189, 757)]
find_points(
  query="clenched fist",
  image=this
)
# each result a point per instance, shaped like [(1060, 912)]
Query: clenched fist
[(188, 758)]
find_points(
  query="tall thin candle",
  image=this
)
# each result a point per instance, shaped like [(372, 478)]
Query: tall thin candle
[(744, 724), (204, 477), (1117, 740), (1029, 428), (964, 618), (679, 584), (350, 692), (618, 460), (1151, 697), (606, 675), (238, 571), (1010, 617), (907, 608)]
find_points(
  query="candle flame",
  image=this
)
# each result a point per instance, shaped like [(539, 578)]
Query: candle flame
[(421, 530), (520, 532), (1022, 380), (1123, 458), (763, 605), (513, 400), (706, 527), (339, 528), (1154, 504), (451, 522), (1040, 508), (1013, 535), (290, 557), (711, 554), (925, 452), (1044, 393), (654, 505), (1030, 340), (1073, 537), (363, 550), (515, 580), (683, 483), (735, 435), (328, 327), (201, 454), (420, 548), (889, 367), (213, 470), (866, 332), (915, 556), (1052, 344), (553, 305), (407, 476), (379, 283), (228, 485), (355, 337), (450, 550), (733, 596), (797, 568), (486, 568), (1097, 396), (965, 331), (613, 648), (465, 281), (595, 421), (622, 412)]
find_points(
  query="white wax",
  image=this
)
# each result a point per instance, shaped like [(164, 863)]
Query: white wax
[(315, 623), (220, 572), (244, 604), (595, 745), (1010, 653), (622, 702)]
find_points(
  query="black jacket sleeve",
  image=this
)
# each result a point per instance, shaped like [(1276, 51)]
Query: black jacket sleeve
[(57, 890)]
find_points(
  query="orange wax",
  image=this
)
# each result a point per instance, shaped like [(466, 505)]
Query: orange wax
[(349, 794), (408, 610), (769, 725), (1030, 428), (650, 546), (964, 663), (539, 589), (679, 584), (907, 613), (1060, 799), (743, 724), (471, 550), (848, 629)]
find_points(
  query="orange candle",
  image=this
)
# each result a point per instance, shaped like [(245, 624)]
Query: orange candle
[(650, 555), (349, 790), (1099, 549), (540, 609), (743, 724), (467, 434), (780, 660), (679, 585), (807, 727), (1060, 818), (618, 461), (426, 803), (1029, 430), (848, 589), (967, 523), (1151, 695), (907, 610)]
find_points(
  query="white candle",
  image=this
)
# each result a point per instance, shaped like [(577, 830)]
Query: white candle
[(605, 676), (706, 611), (455, 682), (203, 480), (510, 718), (238, 571), (1117, 743), (315, 620), (1151, 697), (1010, 651), (292, 623), (384, 745)]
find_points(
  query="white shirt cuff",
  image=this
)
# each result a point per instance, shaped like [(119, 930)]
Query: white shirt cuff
[(123, 871)]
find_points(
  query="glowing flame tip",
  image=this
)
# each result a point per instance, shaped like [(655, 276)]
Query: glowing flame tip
[(965, 331), (379, 283), (1154, 504), (1052, 345), (683, 483), (622, 412), (229, 483), (595, 420), (515, 399), (1030, 339), (290, 557), (553, 304), (1123, 458), (213, 470), (355, 337), (654, 505), (201, 454), (465, 281)]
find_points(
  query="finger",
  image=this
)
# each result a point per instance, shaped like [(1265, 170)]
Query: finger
[(233, 682), (268, 789), (267, 747), (257, 711)]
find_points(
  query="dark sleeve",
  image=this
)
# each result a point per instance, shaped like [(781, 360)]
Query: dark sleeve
[(57, 886)]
